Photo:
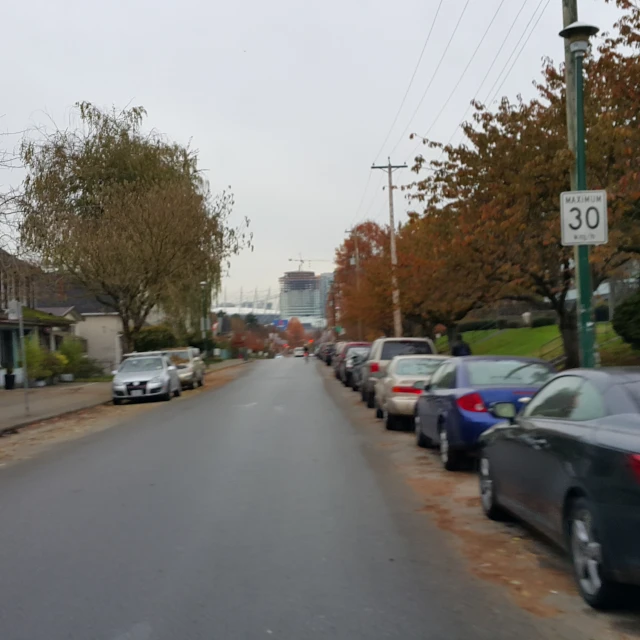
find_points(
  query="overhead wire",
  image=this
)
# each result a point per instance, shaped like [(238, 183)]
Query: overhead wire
[(520, 52), (413, 75), (515, 48), (435, 73)]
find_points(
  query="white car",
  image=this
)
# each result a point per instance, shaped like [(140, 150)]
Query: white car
[(298, 352)]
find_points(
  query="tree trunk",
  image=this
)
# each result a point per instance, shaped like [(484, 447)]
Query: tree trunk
[(567, 321)]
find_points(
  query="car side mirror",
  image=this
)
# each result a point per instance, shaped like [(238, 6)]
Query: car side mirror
[(427, 386), (503, 410), (114, 372), (172, 368)]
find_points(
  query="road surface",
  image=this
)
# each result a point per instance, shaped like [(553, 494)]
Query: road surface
[(253, 511)]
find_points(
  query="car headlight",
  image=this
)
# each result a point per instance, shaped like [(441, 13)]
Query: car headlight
[(156, 380), (118, 383)]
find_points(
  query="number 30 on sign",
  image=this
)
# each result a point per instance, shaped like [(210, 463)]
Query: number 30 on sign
[(583, 217)]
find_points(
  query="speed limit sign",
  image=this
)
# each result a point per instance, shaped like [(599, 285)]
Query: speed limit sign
[(583, 217)]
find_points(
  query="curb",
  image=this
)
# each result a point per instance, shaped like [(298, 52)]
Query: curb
[(31, 421)]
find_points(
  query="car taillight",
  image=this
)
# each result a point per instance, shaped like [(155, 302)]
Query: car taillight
[(472, 402), (406, 390), (375, 367), (634, 462)]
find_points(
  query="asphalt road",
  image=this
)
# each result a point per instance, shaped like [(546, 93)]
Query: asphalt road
[(254, 511)]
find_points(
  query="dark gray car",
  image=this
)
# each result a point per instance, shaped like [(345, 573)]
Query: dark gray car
[(569, 465)]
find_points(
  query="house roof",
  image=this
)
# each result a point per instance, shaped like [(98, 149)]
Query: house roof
[(55, 290), (62, 312)]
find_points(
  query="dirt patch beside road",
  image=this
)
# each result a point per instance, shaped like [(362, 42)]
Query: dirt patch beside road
[(535, 575), (41, 436)]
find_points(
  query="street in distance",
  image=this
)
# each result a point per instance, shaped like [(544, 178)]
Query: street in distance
[(583, 217)]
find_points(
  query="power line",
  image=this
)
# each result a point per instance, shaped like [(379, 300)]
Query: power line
[(471, 59), (413, 75), (435, 73), (486, 75), (520, 52), (506, 64)]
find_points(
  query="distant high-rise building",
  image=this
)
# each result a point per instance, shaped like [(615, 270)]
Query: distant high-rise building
[(300, 295)]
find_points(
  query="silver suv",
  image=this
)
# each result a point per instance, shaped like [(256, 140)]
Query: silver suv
[(382, 352)]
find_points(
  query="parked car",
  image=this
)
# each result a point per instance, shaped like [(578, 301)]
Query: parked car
[(190, 365), (145, 376), (569, 465), (298, 352), (356, 369), (454, 410), (330, 350), (382, 352), (397, 393), (346, 356)]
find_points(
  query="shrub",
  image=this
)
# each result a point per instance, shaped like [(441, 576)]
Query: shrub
[(542, 322), (155, 338), (73, 350), (54, 363), (89, 368), (35, 357), (626, 320)]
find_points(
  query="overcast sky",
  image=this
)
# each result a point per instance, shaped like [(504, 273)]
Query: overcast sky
[(289, 102)]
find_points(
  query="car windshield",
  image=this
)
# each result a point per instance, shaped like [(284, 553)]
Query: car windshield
[(507, 373), (395, 348), (141, 364), (179, 357), (417, 367)]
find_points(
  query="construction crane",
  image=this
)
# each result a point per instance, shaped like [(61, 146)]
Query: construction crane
[(302, 261)]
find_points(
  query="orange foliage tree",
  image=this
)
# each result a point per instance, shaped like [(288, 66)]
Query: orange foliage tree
[(295, 333)]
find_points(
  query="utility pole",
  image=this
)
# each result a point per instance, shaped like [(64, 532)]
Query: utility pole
[(569, 16), (397, 318), (576, 142), (356, 263)]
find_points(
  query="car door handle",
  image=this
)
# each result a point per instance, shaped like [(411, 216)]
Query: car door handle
[(539, 443)]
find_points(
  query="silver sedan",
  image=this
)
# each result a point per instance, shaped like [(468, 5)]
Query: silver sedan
[(143, 376)]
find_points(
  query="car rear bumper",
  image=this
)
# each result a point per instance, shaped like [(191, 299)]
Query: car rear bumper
[(402, 406)]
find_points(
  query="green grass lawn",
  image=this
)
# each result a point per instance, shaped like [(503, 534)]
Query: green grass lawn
[(541, 342)]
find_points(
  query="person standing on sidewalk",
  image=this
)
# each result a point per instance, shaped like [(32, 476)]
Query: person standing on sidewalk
[(460, 347)]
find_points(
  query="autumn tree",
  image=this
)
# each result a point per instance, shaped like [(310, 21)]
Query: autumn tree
[(295, 333), (125, 212), (362, 282)]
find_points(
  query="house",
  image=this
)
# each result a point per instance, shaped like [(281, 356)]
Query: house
[(17, 289), (100, 326)]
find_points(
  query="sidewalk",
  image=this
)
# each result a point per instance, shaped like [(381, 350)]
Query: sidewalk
[(50, 402)]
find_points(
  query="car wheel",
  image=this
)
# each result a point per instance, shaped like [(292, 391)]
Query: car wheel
[(178, 392), (450, 458), (167, 396), (379, 413), (421, 440), (201, 381), (488, 498), (370, 400), (117, 401), (390, 421), (363, 395), (597, 590)]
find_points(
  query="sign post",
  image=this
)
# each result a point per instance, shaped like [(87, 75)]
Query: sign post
[(583, 221), (15, 313)]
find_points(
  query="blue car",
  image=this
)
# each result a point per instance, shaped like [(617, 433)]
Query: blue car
[(453, 411)]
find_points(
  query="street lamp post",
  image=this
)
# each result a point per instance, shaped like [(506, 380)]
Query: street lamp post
[(578, 34), (203, 322)]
